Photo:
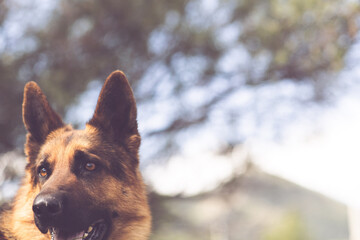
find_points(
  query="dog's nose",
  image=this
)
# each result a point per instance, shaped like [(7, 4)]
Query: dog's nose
[(48, 206)]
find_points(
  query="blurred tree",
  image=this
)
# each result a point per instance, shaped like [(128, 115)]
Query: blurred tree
[(10, 90), (191, 54)]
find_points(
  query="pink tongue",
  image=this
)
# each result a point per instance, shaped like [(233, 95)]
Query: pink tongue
[(77, 236)]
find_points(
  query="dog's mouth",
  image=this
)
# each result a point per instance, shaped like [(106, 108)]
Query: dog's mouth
[(96, 231)]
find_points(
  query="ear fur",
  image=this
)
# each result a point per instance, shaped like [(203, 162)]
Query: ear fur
[(39, 118), (115, 113)]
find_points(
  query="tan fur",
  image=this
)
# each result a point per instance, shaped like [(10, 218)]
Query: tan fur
[(58, 143)]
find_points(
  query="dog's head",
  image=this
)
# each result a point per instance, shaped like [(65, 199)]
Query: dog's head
[(87, 181)]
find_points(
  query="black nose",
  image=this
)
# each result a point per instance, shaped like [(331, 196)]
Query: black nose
[(48, 206)]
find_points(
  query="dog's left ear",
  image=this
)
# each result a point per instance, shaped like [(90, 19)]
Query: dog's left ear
[(39, 119), (115, 113)]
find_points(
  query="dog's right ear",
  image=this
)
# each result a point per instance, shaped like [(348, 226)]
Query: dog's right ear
[(39, 119), (115, 113)]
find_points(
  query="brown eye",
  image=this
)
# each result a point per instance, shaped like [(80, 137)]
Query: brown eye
[(90, 166), (43, 172)]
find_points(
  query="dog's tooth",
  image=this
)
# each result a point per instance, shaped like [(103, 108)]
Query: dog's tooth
[(52, 234), (85, 235)]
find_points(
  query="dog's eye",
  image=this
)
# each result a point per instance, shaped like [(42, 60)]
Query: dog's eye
[(43, 172), (90, 166)]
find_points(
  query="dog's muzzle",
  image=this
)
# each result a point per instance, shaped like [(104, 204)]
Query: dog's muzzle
[(52, 212)]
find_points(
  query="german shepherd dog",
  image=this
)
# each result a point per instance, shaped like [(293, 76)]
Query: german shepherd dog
[(80, 184)]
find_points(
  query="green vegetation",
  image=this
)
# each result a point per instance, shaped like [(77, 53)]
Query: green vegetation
[(291, 227)]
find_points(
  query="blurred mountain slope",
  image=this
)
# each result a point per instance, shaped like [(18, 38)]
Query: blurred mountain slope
[(253, 206)]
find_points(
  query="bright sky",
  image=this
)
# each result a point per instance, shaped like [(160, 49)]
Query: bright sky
[(319, 151), (324, 157), (328, 161)]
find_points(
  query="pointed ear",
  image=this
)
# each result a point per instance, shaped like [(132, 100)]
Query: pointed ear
[(115, 113), (39, 118)]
